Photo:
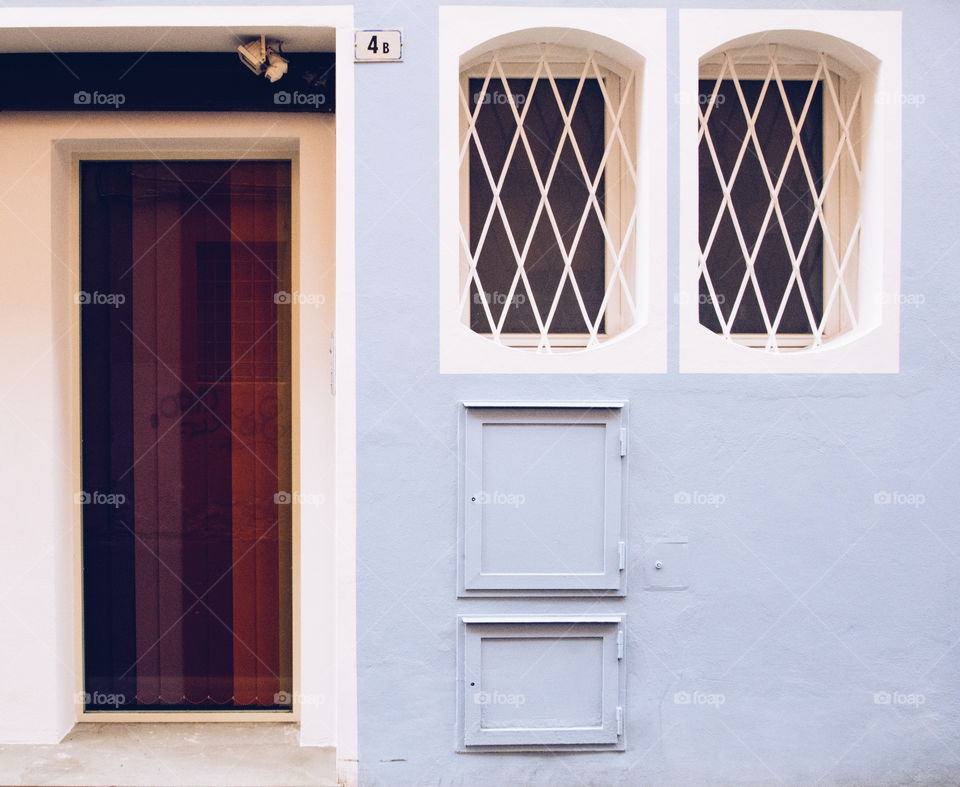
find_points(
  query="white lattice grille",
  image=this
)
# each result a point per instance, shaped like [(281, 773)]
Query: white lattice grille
[(548, 198), (779, 197)]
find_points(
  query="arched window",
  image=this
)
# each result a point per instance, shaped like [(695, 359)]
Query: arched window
[(548, 214), (779, 204), (790, 210)]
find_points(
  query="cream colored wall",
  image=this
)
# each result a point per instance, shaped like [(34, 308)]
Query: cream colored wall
[(35, 578)]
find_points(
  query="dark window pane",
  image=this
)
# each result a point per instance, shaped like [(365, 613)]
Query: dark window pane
[(751, 199), (520, 196)]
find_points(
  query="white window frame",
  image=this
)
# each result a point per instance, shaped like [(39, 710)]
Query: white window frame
[(868, 44), (634, 39)]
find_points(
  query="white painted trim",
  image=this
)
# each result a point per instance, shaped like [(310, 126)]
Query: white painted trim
[(869, 43), (481, 619), (330, 646), (635, 37), (345, 399), (549, 405)]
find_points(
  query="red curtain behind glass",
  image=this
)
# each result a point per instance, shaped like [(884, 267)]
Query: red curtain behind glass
[(210, 382)]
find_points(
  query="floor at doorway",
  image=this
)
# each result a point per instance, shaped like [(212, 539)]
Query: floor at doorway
[(172, 755)]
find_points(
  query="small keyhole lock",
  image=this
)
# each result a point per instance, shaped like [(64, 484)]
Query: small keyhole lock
[(658, 565)]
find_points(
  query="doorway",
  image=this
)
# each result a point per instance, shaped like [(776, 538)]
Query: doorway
[(186, 433)]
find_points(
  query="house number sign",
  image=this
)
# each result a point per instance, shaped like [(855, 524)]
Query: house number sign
[(378, 46)]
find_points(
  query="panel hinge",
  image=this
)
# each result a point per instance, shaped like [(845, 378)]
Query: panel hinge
[(333, 364), (620, 645), (622, 552), (623, 442), (619, 721)]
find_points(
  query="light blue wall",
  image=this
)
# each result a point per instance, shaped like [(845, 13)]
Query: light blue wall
[(806, 597)]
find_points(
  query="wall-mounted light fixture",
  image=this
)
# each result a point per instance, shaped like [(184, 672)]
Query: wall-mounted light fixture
[(264, 57)]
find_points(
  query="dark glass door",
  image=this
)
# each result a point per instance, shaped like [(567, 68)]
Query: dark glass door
[(186, 402)]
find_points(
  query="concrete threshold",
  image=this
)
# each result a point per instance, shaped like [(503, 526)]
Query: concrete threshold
[(257, 754)]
